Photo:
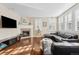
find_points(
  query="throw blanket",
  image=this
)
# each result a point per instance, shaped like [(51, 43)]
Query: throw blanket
[(46, 44)]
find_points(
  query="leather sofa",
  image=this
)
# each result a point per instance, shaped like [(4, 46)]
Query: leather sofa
[(65, 48), (62, 43), (62, 36)]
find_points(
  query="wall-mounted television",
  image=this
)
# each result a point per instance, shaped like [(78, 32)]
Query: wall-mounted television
[(8, 22)]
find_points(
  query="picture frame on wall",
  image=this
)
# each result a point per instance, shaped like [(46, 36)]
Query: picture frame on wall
[(44, 24)]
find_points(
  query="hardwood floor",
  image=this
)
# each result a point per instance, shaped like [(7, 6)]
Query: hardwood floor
[(23, 47)]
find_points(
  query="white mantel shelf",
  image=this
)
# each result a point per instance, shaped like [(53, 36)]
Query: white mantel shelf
[(25, 26)]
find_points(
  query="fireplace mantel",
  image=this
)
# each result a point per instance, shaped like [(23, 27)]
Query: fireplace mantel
[(27, 28)]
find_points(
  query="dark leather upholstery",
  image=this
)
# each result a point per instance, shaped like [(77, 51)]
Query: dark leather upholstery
[(59, 37), (63, 49)]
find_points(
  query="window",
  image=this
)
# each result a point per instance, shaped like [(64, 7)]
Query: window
[(69, 21), (61, 23), (65, 22), (78, 25), (51, 24), (38, 24), (77, 20)]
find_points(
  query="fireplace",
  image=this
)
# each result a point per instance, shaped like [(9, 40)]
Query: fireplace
[(25, 33)]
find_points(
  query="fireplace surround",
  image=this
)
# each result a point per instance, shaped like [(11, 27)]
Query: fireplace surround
[(25, 33)]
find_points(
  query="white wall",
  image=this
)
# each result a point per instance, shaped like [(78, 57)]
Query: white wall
[(11, 14), (8, 13)]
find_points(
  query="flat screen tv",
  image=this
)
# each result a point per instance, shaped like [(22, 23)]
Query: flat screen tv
[(8, 22)]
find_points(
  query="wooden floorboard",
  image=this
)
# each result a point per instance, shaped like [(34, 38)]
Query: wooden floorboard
[(23, 47)]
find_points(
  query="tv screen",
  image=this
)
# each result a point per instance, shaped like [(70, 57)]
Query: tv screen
[(8, 22)]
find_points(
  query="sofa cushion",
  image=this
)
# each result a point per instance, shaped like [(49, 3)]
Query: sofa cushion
[(71, 36), (71, 40), (54, 33), (60, 34), (57, 38), (67, 35)]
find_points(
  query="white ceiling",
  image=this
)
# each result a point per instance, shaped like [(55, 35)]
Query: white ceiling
[(39, 9)]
